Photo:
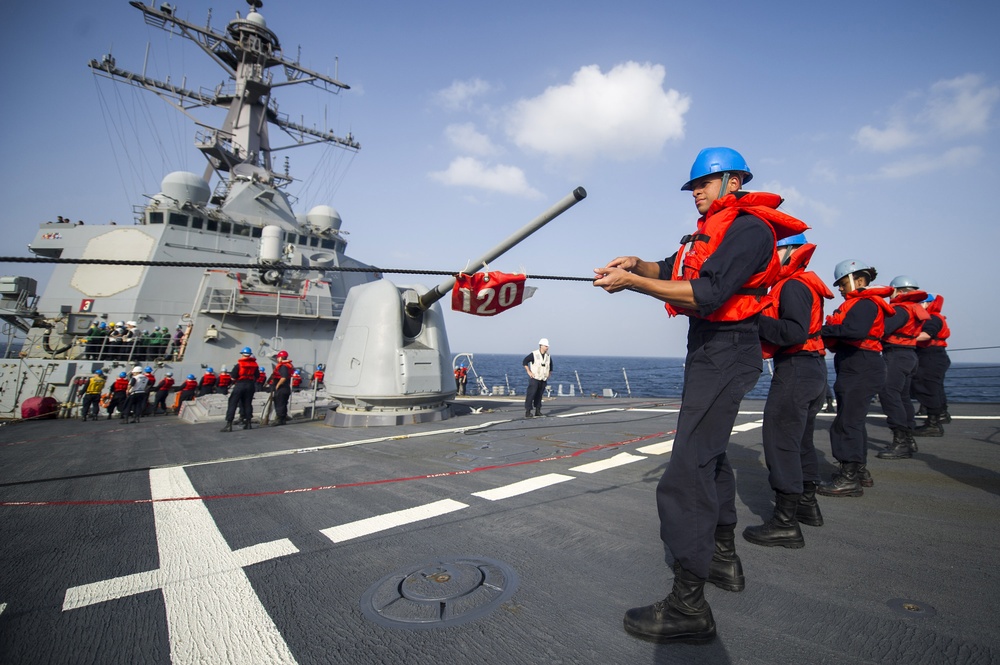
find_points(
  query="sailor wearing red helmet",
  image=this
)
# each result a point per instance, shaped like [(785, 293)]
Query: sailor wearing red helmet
[(281, 379)]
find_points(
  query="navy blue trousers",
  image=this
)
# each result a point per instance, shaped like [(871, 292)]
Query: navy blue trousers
[(900, 366), (798, 392), (860, 375), (698, 489)]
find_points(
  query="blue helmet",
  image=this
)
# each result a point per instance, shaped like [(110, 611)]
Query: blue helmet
[(903, 282), (851, 266), (298, 372), (209, 371), (718, 160), (99, 372), (930, 297), (148, 370), (798, 239), (246, 351), (190, 376), (104, 325), (122, 375), (320, 366)]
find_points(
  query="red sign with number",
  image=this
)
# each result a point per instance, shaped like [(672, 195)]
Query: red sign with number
[(487, 294)]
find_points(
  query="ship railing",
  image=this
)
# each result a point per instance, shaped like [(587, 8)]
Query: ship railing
[(308, 306)]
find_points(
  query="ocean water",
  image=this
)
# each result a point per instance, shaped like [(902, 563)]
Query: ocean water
[(661, 377)]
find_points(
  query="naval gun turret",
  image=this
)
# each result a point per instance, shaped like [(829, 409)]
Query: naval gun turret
[(390, 363)]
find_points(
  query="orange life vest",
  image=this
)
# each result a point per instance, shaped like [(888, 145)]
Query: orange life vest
[(796, 269), (166, 384), (247, 369), (225, 378), (712, 227), (275, 376), (873, 340), (318, 376), (938, 341), (906, 335)]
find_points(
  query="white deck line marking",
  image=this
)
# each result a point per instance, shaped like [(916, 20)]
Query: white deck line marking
[(213, 613), (746, 427), (339, 534), (590, 413), (618, 460), (652, 410), (3, 606), (522, 487), (657, 448)]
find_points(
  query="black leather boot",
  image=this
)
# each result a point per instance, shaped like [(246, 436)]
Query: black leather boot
[(782, 529), (246, 424), (910, 441), (538, 413), (726, 569), (945, 417), (808, 511), (932, 427), (683, 616), (865, 476), (847, 482), (900, 448), (228, 427)]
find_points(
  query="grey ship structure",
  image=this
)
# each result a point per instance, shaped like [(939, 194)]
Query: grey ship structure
[(287, 298)]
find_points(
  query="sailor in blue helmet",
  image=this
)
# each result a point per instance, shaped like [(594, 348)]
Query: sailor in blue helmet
[(244, 384), (854, 333), (718, 279), (899, 350), (789, 334)]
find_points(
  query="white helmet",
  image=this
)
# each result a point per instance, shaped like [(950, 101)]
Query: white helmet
[(137, 370), (543, 341)]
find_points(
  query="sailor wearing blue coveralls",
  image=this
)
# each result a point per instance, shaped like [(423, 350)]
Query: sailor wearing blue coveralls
[(718, 279), (789, 333)]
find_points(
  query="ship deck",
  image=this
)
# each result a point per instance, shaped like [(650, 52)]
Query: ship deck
[(505, 540)]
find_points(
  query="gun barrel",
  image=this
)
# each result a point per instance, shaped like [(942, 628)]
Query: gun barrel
[(442, 289)]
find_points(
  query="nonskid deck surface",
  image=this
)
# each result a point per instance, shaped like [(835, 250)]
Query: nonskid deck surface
[(503, 539)]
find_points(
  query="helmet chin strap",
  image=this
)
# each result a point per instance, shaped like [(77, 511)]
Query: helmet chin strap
[(851, 282), (725, 184)]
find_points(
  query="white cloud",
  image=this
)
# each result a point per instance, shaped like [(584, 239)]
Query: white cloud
[(950, 109), (961, 106), (621, 115), (893, 137), (467, 139), (963, 157), (461, 94), (470, 172)]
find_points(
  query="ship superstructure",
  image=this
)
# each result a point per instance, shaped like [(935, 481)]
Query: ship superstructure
[(172, 313)]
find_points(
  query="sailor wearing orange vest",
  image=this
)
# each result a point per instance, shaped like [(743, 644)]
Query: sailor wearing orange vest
[(118, 396), (318, 376), (932, 365), (718, 279), (789, 333), (162, 391), (247, 372), (225, 380), (207, 385), (188, 389), (899, 349), (281, 379), (854, 333)]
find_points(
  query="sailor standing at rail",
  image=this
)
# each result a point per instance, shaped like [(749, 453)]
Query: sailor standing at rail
[(899, 349), (854, 333), (538, 365), (281, 379), (247, 371), (932, 365), (717, 279), (789, 333)]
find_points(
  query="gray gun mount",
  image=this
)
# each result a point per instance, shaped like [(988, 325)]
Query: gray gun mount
[(390, 363)]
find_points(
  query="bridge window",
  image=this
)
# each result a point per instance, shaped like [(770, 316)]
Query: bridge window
[(156, 218), (178, 220), (212, 226), (196, 222), (225, 227), (255, 231)]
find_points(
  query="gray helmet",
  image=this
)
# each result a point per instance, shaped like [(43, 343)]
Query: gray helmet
[(903, 281), (851, 266)]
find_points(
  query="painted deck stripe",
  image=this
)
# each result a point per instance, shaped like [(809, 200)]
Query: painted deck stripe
[(213, 612), (618, 460), (370, 525), (657, 448), (522, 487), (746, 427)]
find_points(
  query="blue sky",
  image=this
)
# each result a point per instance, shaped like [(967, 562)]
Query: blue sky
[(877, 121)]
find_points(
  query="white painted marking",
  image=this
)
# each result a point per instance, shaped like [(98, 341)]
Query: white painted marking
[(523, 487), (213, 613), (589, 413), (3, 606), (339, 534), (746, 427), (652, 410), (610, 463), (657, 448)]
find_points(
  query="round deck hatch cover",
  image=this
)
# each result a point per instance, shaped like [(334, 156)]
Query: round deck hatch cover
[(443, 592)]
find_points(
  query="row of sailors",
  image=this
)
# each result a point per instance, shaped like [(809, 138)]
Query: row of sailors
[(123, 340), (130, 393)]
